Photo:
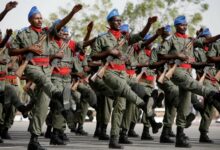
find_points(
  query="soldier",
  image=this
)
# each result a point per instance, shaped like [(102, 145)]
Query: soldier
[(38, 69), (131, 109), (104, 101), (203, 51), (170, 90), (8, 93), (171, 50), (107, 46)]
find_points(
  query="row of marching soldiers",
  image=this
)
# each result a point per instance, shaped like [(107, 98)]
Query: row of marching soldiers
[(117, 79)]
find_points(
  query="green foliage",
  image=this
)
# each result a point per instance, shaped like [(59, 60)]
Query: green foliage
[(135, 13), (166, 10)]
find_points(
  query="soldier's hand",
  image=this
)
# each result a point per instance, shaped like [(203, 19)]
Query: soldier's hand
[(115, 52), (199, 31), (77, 8), (35, 49), (90, 26), (152, 20), (160, 31), (182, 56), (60, 54), (3, 61), (86, 68), (9, 32), (10, 5), (191, 60)]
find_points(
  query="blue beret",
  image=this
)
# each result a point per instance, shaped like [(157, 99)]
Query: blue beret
[(65, 29), (34, 10), (112, 13), (206, 32), (168, 28), (147, 36), (180, 20), (57, 21), (124, 28)]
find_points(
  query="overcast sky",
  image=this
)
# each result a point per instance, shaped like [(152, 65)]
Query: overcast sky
[(17, 18)]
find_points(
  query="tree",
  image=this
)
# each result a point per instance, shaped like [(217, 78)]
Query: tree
[(96, 11), (136, 14)]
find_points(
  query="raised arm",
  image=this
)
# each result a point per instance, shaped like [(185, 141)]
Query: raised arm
[(66, 19), (9, 6)]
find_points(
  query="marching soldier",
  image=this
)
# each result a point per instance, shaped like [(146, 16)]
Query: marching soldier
[(111, 46), (175, 48), (34, 41)]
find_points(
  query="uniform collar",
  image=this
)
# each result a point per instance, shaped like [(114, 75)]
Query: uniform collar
[(38, 30), (180, 35), (116, 33)]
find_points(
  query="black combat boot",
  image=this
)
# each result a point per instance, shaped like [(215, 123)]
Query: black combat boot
[(147, 107), (103, 135), (146, 134), (24, 110), (204, 138), (97, 130), (171, 134), (34, 143), (55, 139), (165, 137), (1, 128), (181, 140), (123, 138), (113, 143), (80, 130), (5, 134), (214, 99), (73, 128), (160, 99), (131, 132), (155, 126), (189, 120), (63, 136), (48, 132)]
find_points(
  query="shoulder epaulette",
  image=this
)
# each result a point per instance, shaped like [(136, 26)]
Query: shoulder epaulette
[(22, 29), (102, 34)]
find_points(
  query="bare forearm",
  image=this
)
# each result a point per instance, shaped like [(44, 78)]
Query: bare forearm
[(89, 42), (168, 56), (149, 41), (4, 41), (214, 59), (145, 30), (101, 55), (15, 52), (94, 64), (86, 38), (157, 64), (212, 39), (65, 20), (2, 15)]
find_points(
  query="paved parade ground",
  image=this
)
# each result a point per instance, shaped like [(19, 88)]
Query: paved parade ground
[(21, 138)]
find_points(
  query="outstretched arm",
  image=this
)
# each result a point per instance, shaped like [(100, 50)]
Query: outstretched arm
[(7, 36), (89, 30), (151, 20), (9, 6), (65, 20)]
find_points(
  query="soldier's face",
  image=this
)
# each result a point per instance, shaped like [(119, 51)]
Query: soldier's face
[(115, 23), (36, 20), (60, 34), (181, 28), (65, 35)]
